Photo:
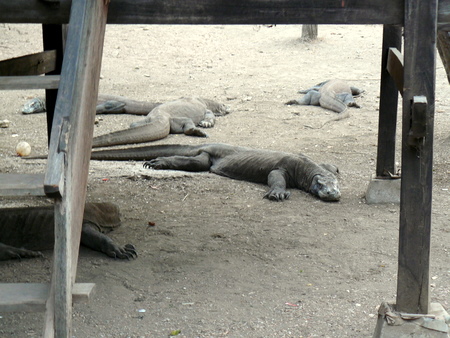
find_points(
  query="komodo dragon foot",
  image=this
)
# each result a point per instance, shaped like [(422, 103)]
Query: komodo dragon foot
[(10, 252)]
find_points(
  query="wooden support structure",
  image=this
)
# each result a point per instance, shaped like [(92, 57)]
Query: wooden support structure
[(69, 152), (74, 96), (417, 157), (72, 124), (392, 38)]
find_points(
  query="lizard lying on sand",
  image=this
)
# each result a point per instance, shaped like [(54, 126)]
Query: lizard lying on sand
[(335, 95), (279, 170), (106, 104), (175, 117), (25, 230)]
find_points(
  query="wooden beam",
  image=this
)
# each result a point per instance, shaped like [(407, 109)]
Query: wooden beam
[(386, 12), (33, 64), (387, 121), (69, 152), (31, 297), (29, 82), (217, 12), (395, 68), (417, 160), (22, 185)]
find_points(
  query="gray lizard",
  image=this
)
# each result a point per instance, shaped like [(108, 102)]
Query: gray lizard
[(26, 231), (279, 170), (184, 115)]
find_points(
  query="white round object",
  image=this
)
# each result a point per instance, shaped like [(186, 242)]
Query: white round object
[(23, 148)]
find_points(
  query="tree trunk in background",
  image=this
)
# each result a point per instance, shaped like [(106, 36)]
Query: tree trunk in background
[(443, 45), (309, 32)]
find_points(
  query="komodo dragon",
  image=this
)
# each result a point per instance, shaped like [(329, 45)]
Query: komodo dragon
[(335, 95), (106, 104), (174, 117), (279, 170), (25, 230)]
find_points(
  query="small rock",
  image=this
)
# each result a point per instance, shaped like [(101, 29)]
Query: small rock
[(5, 123)]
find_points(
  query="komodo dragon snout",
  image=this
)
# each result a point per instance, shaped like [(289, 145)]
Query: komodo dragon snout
[(326, 188)]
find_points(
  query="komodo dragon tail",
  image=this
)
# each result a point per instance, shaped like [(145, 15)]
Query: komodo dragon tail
[(145, 153), (156, 129)]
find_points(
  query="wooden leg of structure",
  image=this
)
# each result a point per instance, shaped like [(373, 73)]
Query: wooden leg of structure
[(382, 188), (417, 156), (392, 37), (69, 152), (53, 39)]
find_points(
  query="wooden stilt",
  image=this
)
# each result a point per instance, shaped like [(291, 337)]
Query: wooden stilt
[(387, 124), (417, 157)]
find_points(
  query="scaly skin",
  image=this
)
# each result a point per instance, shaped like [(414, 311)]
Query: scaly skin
[(279, 170), (106, 104), (24, 231), (174, 117), (335, 95)]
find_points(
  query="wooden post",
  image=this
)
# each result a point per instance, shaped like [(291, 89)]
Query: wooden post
[(52, 40), (417, 156), (392, 37), (70, 150)]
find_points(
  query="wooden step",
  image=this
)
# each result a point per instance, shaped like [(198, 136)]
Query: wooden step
[(31, 297), (29, 82), (22, 185)]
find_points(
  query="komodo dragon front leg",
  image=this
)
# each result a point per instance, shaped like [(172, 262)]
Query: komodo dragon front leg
[(201, 162), (277, 185), (95, 240)]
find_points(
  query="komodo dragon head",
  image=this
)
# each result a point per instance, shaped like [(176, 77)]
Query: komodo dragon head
[(218, 109), (325, 185)]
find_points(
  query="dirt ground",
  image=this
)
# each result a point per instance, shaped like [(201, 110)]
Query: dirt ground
[(221, 261)]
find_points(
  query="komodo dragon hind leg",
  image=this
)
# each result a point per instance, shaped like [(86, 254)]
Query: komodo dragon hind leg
[(184, 125), (201, 162), (310, 98)]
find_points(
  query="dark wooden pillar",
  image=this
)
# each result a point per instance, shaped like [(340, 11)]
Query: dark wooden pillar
[(53, 39), (417, 156), (392, 37)]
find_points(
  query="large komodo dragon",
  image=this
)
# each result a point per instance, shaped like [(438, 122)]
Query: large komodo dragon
[(106, 104), (335, 95), (25, 230), (175, 117), (279, 170)]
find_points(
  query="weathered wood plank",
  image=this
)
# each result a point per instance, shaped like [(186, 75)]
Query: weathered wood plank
[(31, 297), (417, 161), (218, 12), (29, 82), (69, 152), (387, 121), (22, 185), (33, 64), (224, 12), (395, 68)]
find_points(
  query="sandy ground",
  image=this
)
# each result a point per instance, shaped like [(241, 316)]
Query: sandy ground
[(221, 261)]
